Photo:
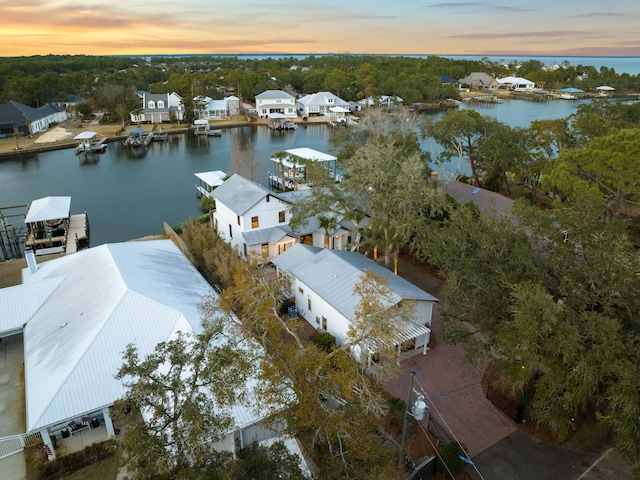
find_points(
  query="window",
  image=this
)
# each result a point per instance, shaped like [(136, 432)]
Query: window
[(254, 222), (160, 104), (267, 199), (281, 216), (230, 231), (152, 104), (300, 290), (238, 219), (306, 239), (309, 303), (265, 250), (324, 323)]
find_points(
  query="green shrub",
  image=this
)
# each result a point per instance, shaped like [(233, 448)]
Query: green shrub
[(206, 204), (325, 341), (64, 466), (450, 456)]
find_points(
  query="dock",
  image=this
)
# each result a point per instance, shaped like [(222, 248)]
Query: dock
[(77, 233)]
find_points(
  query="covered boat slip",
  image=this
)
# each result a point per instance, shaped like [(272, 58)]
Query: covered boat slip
[(208, 182), (289, 171), (51, 229), (86, 142)]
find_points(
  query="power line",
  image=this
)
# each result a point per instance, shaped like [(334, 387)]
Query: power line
[(469, 461)]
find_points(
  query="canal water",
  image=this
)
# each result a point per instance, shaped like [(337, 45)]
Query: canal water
[(129, 193)]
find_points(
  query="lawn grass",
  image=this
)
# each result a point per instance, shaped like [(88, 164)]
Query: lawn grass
[(103, 470)]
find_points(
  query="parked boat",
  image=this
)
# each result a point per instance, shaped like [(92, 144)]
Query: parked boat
[(86, 142), (135, 137)]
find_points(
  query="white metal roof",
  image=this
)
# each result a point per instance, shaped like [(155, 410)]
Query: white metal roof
[(214, 179), (333, 274), (85, 136), (311, 154), (239, 194), (273, 95), (107, 297), (19, 303), (48, 208)]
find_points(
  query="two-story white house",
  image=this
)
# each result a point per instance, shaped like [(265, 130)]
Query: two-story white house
[(252, 218), (323, 282), (209, 109), (319, 103), (276, 101), (382, 101), (158, 108)]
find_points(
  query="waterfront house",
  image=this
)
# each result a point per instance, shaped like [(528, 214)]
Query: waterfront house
[(517, 84), (319, 104), (25, 120), (276, 101), (322, 285), (209, 109), (490, 203), (77, 315), (382, 101), (158, 108), (478, 80), (251, 218)]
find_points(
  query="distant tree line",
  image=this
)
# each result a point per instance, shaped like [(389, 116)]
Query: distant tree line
[(36, 80)]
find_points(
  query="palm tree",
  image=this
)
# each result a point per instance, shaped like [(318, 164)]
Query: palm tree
[(327, 224), (16, 136)]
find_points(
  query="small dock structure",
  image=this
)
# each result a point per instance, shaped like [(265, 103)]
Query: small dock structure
[(289, 168), (12, 231), (278, 121), (51, 229), (86, 142), (135, 138), (208, 182)]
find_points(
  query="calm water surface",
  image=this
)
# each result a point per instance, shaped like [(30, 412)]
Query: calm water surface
[(129, 193)]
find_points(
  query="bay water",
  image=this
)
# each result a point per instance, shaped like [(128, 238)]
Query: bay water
[(128, 193)]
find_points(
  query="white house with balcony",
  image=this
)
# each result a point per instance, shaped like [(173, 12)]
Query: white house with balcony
[(382, 101), (158, 108), (319, 104), (323, 283), (276, 101)]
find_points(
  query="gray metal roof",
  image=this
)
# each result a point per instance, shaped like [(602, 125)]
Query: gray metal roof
[(270, 235), (273, 95), (490, 203), (333, 274), (239, 194), (107, 297), (321, 98), (294, 256)]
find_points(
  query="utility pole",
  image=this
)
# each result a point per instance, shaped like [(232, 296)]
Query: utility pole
[(405, 427)]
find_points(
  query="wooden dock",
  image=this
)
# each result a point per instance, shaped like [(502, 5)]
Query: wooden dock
[(77, 233)]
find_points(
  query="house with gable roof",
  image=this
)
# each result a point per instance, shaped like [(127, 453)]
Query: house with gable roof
[(478, 80), (78, 313), (25, 120), (319, 103), (323, 282), (158, 108), (276, 101), (252, 218), (517, 84)]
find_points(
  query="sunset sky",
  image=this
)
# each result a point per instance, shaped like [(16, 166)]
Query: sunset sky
[(138, 27)]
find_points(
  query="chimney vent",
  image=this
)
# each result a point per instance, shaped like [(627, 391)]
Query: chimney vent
[(31, 260)]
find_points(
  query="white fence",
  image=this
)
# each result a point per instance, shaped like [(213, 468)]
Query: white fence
[(17, 443)]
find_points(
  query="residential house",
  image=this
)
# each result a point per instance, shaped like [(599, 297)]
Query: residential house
[(252, 218), (490, 203), (158, 108), (323, 283), (319, 104), (383, 101), (69, 102), (517, 84), (77, 315), (478, 80), (217, 109), (24, 120), (276, 101), (447, 80)]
